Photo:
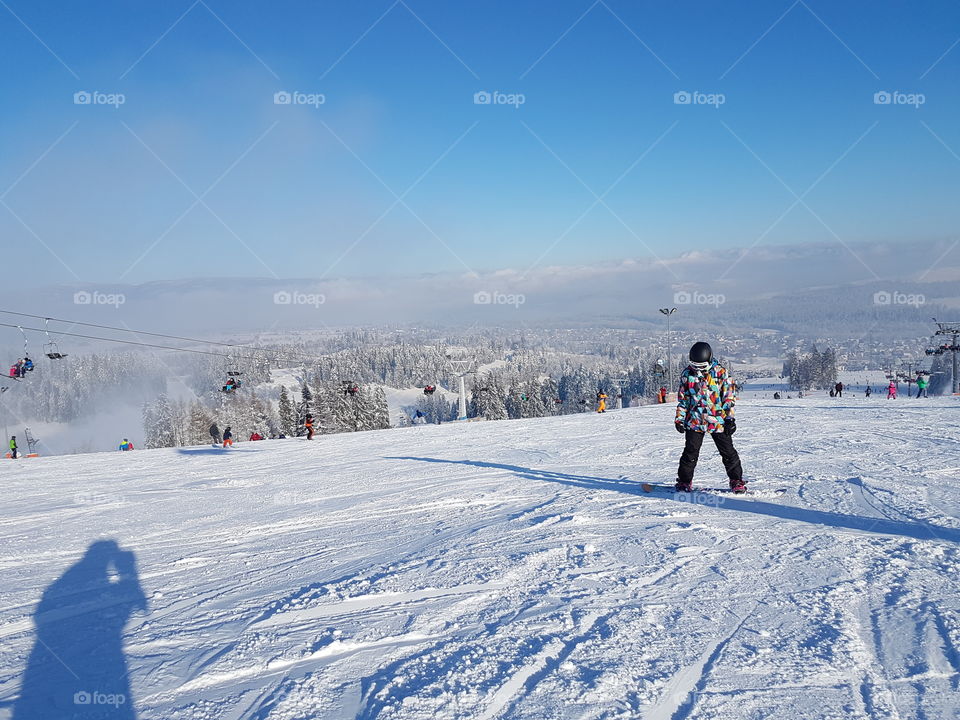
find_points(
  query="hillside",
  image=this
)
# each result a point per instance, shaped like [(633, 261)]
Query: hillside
[(494, 570)]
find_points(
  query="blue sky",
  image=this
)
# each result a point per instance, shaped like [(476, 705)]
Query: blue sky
[(98, 193)]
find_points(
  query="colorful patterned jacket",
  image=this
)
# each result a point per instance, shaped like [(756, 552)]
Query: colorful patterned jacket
[(705, 399)]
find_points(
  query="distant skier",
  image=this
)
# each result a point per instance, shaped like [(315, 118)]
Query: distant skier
[(215, 434), (705, 404), (868, 392), (922, 382), (227, 437), (601, 401), (13, 447), (255, 436), (838, 388), (126, 445), (662, 395), (892, 391), (308, 424)]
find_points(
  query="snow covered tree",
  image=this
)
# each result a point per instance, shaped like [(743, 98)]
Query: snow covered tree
[(158, 423), (304, 408), (287, 416)]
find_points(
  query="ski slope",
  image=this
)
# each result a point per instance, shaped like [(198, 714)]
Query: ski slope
[(495, 570)]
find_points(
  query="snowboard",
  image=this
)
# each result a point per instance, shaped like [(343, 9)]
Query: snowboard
[(758, 492), (660, 487)]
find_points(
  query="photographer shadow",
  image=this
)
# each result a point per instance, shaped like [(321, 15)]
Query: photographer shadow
[(77, 668)]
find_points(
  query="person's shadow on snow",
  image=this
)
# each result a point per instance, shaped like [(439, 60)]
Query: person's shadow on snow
[(77, 669)]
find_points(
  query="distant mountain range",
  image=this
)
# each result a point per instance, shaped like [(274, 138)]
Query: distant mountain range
[(823, 290)]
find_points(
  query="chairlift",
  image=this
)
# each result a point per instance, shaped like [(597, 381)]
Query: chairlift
[(429, 389), (350, 388), (50, 348)]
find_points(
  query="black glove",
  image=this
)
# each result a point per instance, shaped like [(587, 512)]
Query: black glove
[(680, 428), (729, 426)]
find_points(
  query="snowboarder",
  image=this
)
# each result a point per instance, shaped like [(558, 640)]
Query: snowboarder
[(838, 388), (922, 382), (601, 401), (215, 434), (126, 445), (662, 395), (308, 424), (705, 404), (13, 447), (868, 392), (227, 437), (892, 391)]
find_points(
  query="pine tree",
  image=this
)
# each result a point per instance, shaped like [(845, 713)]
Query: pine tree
[(158, 423), (304, 408), (287, 414)]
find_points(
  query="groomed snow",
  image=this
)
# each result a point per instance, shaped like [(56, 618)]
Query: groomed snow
[(503, 569)]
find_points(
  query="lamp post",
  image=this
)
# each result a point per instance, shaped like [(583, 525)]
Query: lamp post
[(668, 312)]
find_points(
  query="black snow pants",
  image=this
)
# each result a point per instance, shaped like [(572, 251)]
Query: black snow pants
[(691, 453)]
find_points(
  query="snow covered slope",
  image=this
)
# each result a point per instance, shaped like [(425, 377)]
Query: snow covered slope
[(494, 570)]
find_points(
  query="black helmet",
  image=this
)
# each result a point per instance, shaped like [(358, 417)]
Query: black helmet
[(701, 352)]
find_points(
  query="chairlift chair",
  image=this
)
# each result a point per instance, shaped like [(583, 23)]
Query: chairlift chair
[(50, 348)]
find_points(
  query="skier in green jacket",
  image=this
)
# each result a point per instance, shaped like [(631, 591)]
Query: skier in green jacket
[(13, 447)]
